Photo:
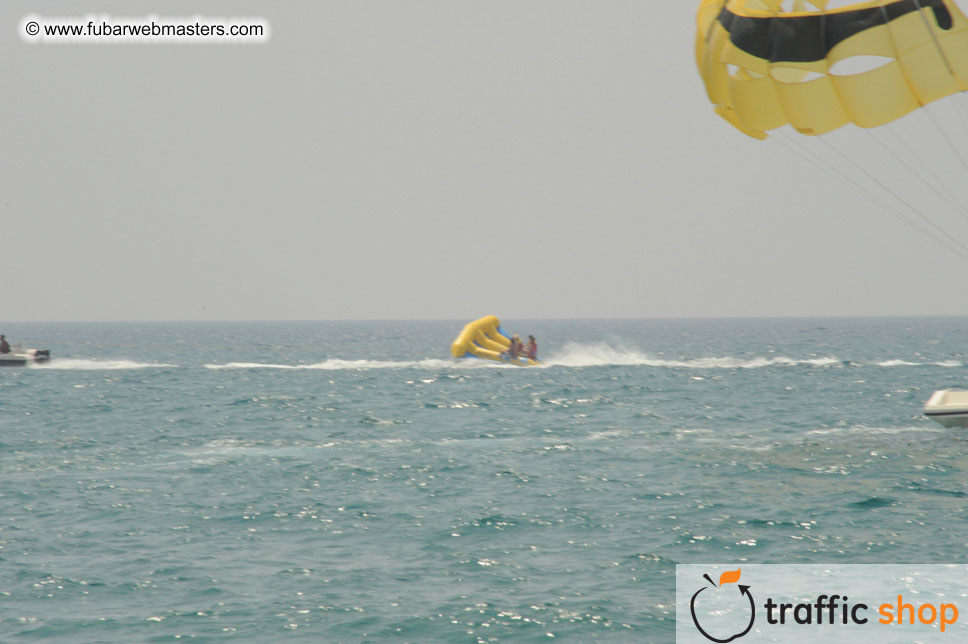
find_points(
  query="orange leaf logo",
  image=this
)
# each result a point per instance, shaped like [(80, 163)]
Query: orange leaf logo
[(729, 577)]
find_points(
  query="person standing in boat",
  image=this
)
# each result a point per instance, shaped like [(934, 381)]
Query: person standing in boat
[(4, 346)]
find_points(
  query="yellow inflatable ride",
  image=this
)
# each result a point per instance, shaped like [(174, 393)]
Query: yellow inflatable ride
[(486, 339)]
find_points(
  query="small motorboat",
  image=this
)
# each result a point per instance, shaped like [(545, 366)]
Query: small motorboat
[(22, 357), (948, 407)]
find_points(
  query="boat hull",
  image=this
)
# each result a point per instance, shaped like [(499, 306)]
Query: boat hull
[(23, 358), (949, 407)]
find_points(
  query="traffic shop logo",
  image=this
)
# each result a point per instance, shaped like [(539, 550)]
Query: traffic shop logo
[(742, 598)]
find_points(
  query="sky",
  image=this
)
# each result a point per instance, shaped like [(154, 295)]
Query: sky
[(417, 159)]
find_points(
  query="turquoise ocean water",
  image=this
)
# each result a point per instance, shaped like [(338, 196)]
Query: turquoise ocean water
[(350, 482)]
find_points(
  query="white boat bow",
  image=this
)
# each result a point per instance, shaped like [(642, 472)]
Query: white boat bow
[(948, 407)]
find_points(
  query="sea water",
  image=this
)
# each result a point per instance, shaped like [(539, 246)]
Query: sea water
[(351, 482)]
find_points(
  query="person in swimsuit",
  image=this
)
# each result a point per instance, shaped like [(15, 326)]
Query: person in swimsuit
[(515, 351), (531, 349)]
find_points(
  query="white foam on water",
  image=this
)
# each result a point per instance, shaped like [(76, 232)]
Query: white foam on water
[(608, 434), (599, 355), (867, 429), (906, 363), (97, 365), (335, 364), (577, 355)]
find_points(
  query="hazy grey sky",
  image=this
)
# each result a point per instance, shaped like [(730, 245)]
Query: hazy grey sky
[(415, 159)]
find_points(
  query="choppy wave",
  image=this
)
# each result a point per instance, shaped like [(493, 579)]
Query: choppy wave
[(868, 429), (600, 355), (335, 364), (587, 355), (906, 363), (78, 364), (573, 355)]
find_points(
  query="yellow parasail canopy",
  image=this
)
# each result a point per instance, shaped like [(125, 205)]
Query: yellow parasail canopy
[(769, 63)]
